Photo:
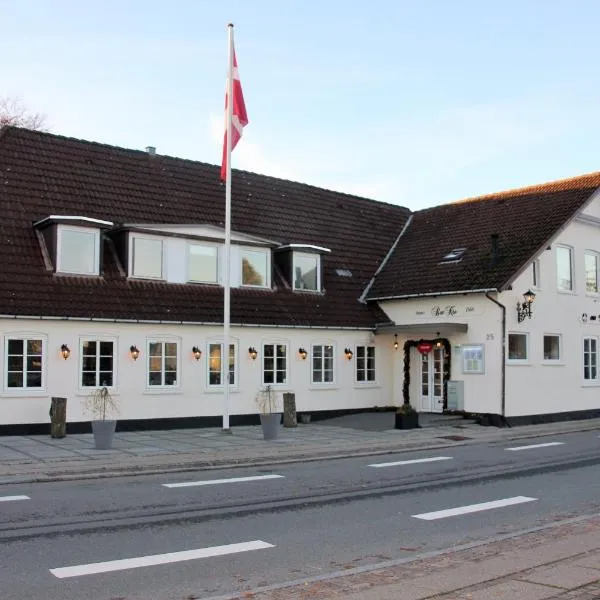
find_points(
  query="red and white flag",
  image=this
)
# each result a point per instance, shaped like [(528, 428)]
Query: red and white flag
[(239, 118)]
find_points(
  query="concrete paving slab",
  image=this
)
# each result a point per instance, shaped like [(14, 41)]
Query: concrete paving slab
[(590, 562), (566, 576), (513, 590)]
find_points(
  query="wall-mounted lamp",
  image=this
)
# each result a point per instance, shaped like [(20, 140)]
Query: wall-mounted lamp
[(524, 309), (349, 354), (133, 350), (196, 352), (252, 353), (302, 353), (438, 342), (395, 341), (65, 351)]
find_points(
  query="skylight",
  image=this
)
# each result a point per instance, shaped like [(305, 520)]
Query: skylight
[(344, 272), (454, 255)]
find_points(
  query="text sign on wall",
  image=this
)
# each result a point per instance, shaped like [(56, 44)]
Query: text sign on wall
[(446, 310)]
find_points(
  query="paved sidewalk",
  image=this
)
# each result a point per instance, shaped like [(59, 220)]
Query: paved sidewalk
[(42, 458), (560, 562)]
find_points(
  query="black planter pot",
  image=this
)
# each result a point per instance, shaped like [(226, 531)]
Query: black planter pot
[(409, 421)]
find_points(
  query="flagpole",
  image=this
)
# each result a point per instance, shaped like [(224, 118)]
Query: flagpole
[(227, 291)]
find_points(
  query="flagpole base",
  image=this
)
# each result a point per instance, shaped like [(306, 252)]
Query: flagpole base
[(226, 431)]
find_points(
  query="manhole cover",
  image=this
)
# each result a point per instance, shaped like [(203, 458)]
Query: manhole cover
[(454, 438)]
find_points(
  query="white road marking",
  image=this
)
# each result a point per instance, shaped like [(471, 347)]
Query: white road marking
[(463, 510), (532, 446), (217, 481), (11, 498), (411, 462), (157, 559)]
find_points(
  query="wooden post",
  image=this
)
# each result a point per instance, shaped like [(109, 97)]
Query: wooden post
[(289, 410), (58, 417)]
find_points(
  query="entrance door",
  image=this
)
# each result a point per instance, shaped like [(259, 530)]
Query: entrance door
[(432, 382)]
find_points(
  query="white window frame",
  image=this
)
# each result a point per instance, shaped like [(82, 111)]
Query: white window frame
[(365, 359), (188, 260), (163, 371), (595, 255), (571, 250), (322, 370), (560, 348), (25, 338), (590, 380), (267, 253), (221, 385), (314, 255), (132, 238), (95, 233), (536, 281), (275, 383), (473, 359), (518, 361), (98, 340)]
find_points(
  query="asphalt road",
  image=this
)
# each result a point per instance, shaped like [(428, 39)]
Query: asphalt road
[(298, 520)]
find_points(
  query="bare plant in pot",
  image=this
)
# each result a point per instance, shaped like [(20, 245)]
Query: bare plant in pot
[(103, 410), (406, 417), (270, 415)]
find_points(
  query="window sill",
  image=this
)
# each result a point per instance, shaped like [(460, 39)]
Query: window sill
[(553, 363), (323, 386), (219, 389), (366, 384), (518, 363), (85, 393), (27, 392), (567, 292), (162, 391), (590, 384)]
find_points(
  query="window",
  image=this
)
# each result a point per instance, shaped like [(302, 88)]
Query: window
[(97, 363), (78, 251), (147, 257), (275, 363), (307, 274), (24, 361), (552, 347), (591, 272), (255, 268), (162, 364), (365, 363), (454, 255), (473, 359), (322, 363), (590, 359), (215, 364), (564, 268), (517, 346), (202, 263), (535, 274)]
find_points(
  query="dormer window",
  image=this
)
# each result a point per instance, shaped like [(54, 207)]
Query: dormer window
[(146, 257), (307, 271), (256, 267), (78, 250), (202, 263)]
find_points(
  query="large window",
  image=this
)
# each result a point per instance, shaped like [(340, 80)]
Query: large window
[(591, 272), (216, 374), (564, 268), (590, 359), (97, 363), (162, 364), (275, 364), (322, 363), (147, 257), (255, 268), (365, 363), (306, 271), (552, 347), (517, 347), (78, 250), (202, 263), (24, 362)]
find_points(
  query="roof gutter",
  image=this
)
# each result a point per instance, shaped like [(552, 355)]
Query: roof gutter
[(433, 294), (503, 363)]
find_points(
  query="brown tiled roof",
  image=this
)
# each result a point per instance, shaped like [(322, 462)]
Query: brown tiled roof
[(43, 174), (524, 220)]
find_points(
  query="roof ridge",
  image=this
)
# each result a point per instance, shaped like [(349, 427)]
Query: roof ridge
[(557, 185)]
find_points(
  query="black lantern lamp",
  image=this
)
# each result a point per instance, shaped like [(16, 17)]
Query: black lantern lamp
[(524, 309)]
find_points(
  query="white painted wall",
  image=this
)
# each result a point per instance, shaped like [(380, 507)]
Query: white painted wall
[(192, 397)]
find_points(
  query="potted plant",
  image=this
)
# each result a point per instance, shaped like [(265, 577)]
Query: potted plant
[(103, 409), (406, 417), (270, 416)]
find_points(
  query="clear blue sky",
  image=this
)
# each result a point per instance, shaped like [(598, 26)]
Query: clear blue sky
[(416, 102)]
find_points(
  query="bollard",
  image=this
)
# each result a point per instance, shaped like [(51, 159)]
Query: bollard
[(58, 417), (289, 410)]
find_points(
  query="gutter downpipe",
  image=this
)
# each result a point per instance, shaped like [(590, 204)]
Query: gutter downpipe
[(503, 367)]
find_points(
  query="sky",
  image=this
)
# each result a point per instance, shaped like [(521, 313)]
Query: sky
[(415, 103)]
